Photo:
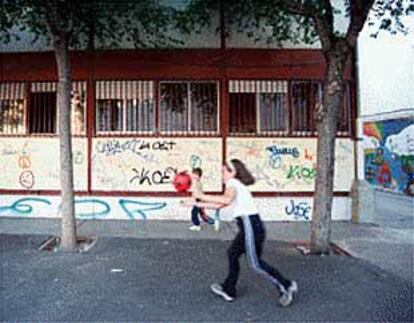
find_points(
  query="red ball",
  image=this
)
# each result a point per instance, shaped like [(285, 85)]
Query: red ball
[(182, 182)]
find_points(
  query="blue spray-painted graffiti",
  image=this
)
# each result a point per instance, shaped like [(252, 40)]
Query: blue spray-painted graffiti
[(141, 207), (195, 161), (23, 206), (275, 159), (95, 208), (299, 210), (106, 209)]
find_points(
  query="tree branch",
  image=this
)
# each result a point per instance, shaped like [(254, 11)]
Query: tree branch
[(50, 12), (294, 7), (359, 14), (322, 16), (328, 15), (58, 18)]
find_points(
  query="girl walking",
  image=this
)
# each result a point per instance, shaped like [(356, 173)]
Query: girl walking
[(250, 237)]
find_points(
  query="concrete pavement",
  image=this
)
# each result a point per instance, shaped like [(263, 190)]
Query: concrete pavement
[(386, 246), (126, 279), (161, 271)]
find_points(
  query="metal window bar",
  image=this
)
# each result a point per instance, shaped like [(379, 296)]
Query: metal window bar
[(271, 107), (12, 101), (44, 111), (124, 107), (188, 107), (303, 104), (241, 119), (204, 107), (344, 113), (78, 108), (43, 108)]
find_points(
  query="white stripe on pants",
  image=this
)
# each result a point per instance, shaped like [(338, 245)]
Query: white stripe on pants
[(252, 255)]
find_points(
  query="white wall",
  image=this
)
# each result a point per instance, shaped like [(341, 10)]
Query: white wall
[(386, 71)]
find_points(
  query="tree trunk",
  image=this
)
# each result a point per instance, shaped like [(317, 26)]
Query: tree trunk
[(326, 127), (68, 235)]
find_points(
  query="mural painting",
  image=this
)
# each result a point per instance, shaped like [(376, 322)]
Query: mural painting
[(389, 154)]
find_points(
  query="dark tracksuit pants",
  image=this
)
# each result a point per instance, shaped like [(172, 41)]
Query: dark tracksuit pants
[(196, 212), (250, 240)]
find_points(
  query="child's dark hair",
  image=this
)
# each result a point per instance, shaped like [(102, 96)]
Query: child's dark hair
[(198, 171), (242, 173)]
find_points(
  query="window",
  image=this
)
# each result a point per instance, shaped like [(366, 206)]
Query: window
[(306, 96), (258, 107), (242, 114), (344, 117), (12, 108), (124, 106), (174, 106), (78, 101), (204, 116), (188, 107), (43, 112)]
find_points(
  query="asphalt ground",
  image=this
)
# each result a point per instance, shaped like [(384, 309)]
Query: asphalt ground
[(167, 279)]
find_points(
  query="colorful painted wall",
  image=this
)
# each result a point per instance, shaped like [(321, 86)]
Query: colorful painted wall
[(389, 154)]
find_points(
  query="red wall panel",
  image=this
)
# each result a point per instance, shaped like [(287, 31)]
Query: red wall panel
[(171, 64)]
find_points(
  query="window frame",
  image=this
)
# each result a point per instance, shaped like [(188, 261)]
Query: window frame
[(24, 86), (259, 132), (188, 132), (125, 132), (290, 132)]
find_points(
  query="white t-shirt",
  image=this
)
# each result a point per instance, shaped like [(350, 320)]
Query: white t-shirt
[(243, 203)]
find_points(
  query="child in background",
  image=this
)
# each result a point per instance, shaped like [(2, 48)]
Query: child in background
[(196, 211)]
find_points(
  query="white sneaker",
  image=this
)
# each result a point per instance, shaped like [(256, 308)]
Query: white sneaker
[(218, 290), (195, 228), (287, 298), (217, 225)]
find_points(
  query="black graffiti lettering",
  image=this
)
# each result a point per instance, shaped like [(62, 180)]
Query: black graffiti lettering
[(157, 177), (169, 174), (163, 145), (145, 145), (141, 177), (113, 147)]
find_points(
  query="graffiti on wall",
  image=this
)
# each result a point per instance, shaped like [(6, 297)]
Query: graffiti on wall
[(290, 164), (150, 164), (389, 154), (34, 163), (132, 164), (299, 210), (277, 153), (152, 208), (85, 208)]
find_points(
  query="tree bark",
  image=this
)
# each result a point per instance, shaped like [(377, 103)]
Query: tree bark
[(68, 224), (326, 127)]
